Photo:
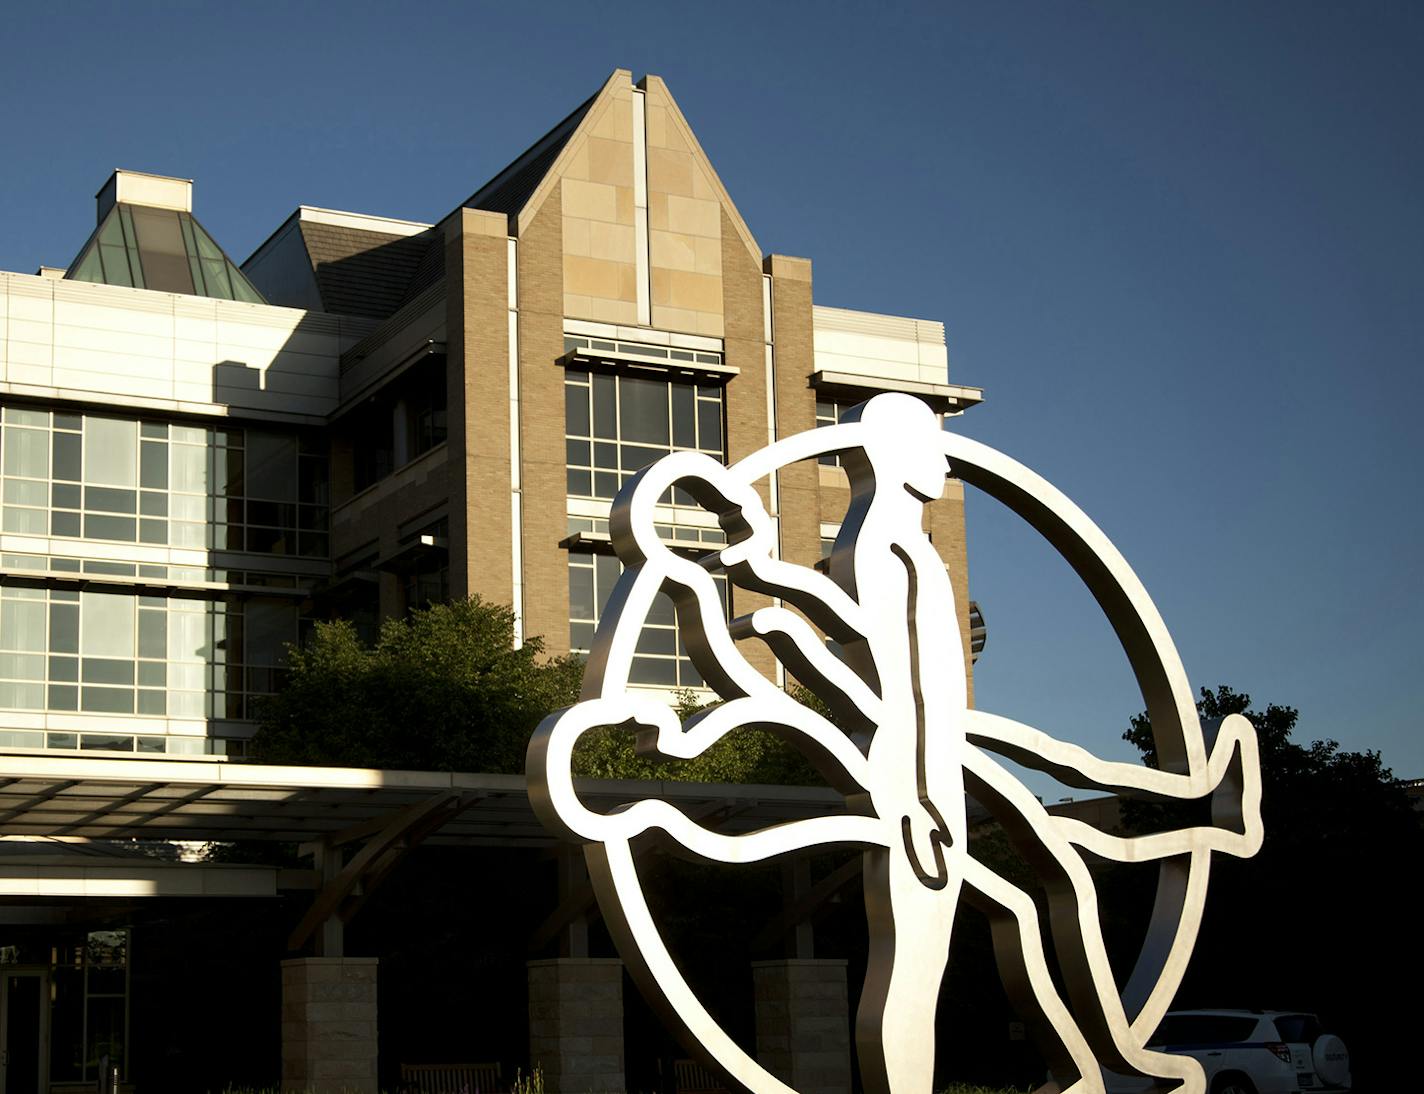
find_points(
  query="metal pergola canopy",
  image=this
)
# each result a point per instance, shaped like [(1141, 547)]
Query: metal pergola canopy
[(120, 799)]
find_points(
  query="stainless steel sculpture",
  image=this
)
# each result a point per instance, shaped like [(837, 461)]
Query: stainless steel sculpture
[(913, 751)]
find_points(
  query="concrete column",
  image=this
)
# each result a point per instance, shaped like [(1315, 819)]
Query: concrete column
[(329, 1025), (576, 1024), (803, 1023)]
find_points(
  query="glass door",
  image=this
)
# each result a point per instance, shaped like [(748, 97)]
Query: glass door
[(24, 1031)]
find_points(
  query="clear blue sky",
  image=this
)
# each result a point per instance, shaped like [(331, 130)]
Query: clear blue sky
[(1180, 246)]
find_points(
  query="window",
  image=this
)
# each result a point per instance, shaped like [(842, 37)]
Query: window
[(1203, 1029), (615, 425), (89, 1011), (425, 398), (828, 412), (403, 421), (105, 478), (116, 653), (661, 659), (427, 581)]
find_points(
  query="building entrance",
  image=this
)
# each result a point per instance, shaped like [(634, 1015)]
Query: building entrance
[(24, 1031)]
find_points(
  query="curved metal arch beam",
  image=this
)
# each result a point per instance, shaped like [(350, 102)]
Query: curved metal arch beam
[(1152, 655), (1171, 703)]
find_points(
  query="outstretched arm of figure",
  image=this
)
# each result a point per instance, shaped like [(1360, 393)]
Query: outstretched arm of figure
[(1231, 778), (857, 708)]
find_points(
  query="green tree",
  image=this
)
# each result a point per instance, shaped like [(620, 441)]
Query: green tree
[(744, 756), (1328, 907), (444, 689)]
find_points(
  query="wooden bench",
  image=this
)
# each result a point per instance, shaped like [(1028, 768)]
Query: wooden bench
[(691, 1077), (452, 1078)]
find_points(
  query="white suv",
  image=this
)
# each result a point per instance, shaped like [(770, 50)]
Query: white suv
[(1257, 1051)]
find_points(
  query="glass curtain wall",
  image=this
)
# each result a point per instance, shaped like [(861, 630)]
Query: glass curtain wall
[(116, 653), (124, 480)]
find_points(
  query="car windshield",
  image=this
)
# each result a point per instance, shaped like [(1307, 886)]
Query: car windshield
[(1203, 1029)]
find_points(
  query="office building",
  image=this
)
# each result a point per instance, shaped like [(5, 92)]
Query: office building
[(200, 458)]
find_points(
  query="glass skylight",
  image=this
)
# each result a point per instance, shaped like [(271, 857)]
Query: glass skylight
[(162, 249)]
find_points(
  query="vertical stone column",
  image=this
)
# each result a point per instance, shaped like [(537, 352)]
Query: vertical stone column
[(803, 1023), (329, 1025), (576, 1024), (477, 404)]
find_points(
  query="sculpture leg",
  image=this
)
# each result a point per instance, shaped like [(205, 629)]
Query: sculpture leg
[(895, 1025)]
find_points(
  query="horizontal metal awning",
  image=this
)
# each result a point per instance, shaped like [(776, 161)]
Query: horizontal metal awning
[(119, 799), (952, 397), (60, 870)]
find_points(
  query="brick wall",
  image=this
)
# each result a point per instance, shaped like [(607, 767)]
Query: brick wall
[(746, 392), (477, 305), (541, 419)]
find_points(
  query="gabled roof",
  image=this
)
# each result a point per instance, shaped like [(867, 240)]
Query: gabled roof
[(340, 262), (508, 191), (520, 189), (361, 272)]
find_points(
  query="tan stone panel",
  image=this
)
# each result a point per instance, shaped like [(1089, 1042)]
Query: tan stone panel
[(702, 187), (694, 291), (668, 132), (627, 281), (708, 256), (678, 319), (655, 124), (673, 251), (623, 204), (661, 288), (577, 166), (610, 161), (613, 311), (698, 218), (616, 122), (590, 200), (670, 172), (657, 212), (614, 242), (599, 277), (577, 306), (710, 324), (576, 236)]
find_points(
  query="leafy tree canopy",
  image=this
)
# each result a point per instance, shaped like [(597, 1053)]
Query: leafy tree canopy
[(446, 690), (1317, 790), (443, 690), (1328, 903)]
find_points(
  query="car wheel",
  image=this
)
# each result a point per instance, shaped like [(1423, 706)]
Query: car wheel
[(1232, 1084)]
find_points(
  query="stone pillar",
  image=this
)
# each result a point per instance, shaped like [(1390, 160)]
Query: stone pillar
[(803, 1023), (329, 1025), (576, 1024)]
